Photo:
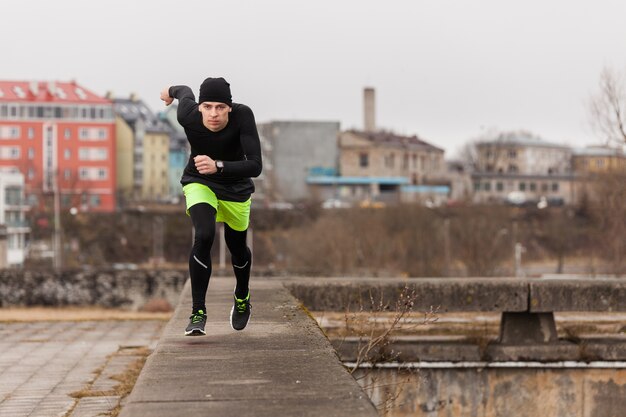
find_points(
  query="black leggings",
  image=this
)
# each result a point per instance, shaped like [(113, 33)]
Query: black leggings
[(203, 218)]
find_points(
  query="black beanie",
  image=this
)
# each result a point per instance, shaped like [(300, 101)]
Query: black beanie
[(215, 89)]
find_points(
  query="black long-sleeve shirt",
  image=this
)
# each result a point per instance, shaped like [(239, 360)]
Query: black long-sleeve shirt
[(238, 145)]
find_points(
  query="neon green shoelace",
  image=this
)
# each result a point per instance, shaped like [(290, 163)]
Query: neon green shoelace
[(242, 305), (197, 317)]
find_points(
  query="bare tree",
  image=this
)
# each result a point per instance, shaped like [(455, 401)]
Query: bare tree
[(608, 107)]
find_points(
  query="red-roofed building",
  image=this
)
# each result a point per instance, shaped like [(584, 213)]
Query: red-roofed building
[(59, 131)]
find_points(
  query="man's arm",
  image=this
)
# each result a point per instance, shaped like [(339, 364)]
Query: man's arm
[(251, 145), (187, 106)]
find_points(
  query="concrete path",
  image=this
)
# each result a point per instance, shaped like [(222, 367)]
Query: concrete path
[(281, 365), (42, 363)]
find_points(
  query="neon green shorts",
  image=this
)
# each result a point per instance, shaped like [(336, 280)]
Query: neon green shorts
[(233, 213)]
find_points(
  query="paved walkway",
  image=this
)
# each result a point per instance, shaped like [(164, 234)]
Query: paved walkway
[(281, 365), (42, 363)]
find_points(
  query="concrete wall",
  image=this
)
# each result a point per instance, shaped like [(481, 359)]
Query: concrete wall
[(296, 147), (128, 289), (498, 392)]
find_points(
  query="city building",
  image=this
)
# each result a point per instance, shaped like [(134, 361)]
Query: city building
[(292, 151), (520, 168), (598, 160), (390, 167), (143, 159), (597, 165), (61, 137), (13, 209), (380, 166), (179, 150)]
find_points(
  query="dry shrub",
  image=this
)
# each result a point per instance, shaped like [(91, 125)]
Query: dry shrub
[(481, 238), (364, 241), (608, 210), (157, 305)]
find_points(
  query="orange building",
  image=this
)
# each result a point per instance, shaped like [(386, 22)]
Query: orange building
[(60, 136)]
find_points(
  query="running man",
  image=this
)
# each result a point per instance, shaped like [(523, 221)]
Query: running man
[(225, 153)]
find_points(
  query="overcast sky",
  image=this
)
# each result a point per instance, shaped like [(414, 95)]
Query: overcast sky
[(446, 70)]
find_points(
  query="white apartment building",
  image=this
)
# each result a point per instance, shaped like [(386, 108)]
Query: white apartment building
[(13, 210)]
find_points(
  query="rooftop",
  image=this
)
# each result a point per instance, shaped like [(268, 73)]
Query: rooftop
[(386, 137), (520, 137), (48, 91), (132, 109), (598, 151)]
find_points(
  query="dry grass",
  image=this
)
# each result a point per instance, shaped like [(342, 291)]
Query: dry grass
[(126, 380), (21, 314)]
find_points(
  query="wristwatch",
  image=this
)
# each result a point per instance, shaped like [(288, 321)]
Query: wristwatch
[(219, 165)]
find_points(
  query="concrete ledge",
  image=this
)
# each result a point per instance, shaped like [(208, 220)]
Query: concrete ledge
[(281, 365), (591, 294), (451, 294), (411, 351), (468, 351), (554, 352)]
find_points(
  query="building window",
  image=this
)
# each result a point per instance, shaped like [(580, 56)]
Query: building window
[(512, 154), (92, 154), (93, 133), (67, 133), (533, 186), (363, 160), (67, 174), (599, 163), (9, 132), (544, 187), (522, 186), (9, 152), (31, 153), (13, 196), (92, 173), (477, 186), (555, 186), (94, 200), (31, 132), (499, 186), (487, 186), (67, 154), (31, 173), (390, 161), (512, 168)]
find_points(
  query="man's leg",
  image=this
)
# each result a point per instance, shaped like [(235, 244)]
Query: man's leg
[(242, 262), (203, 218), (241, 258)]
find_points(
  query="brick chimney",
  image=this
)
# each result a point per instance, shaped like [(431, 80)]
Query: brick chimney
[(369, 109)]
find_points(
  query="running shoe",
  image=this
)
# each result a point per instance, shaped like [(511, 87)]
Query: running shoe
[(240, 313), (196, 324)]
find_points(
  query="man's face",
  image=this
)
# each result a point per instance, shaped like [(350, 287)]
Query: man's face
[(214, 115)]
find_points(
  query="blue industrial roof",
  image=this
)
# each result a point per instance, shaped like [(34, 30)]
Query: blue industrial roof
[(329, 180), (424, 189)]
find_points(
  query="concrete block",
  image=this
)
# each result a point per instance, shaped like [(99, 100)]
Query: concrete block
[(554, 352), (591, 294), (447, 294)]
